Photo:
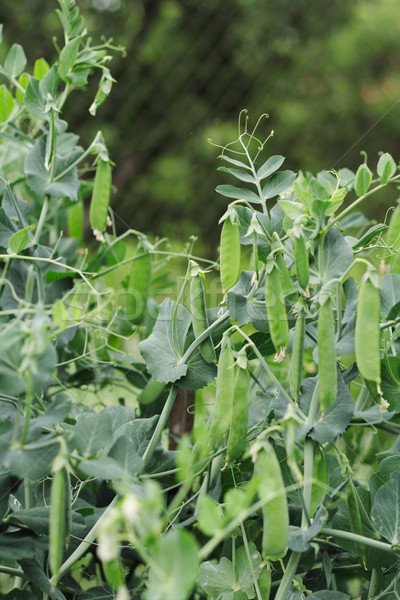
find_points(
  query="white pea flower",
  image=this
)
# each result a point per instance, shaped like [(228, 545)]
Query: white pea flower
[(107, 549), (123, 593), (130, 508)]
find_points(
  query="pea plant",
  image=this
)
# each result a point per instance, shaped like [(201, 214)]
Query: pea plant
[(287, 487)]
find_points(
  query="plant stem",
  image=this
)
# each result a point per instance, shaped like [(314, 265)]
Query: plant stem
[(286, 581), (12, 571), (85, 544), (373, 584), (42, 219), (162, 421), (358, 201), (356, 538), (203, 336)]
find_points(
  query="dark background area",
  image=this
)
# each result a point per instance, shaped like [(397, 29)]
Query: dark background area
[(327, 72)]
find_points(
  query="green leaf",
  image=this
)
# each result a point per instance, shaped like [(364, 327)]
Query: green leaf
[(231, 191), (242, 175), (390, 296), (15, 61), (36, 519), (246, 306), (363, 180), (66, 186), (270, 166), (34, 100), (67, 59), (20, 595), (23, 81), (299, 537), (210, 516), (93, 433), (390, 459), (19, 240), (30, 463), (386, 167), (278, 183), (221, 580), (6, 103), (41, 68), (233, 161), (164, 348), (34, 572), (336, 418), (16, 547), (385, 512), (175, 557), (337, 256)]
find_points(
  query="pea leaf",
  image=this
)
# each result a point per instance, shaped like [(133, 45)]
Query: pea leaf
[(231, 191), (270, 166), (337, 256), (15, 61), (386, 167), (164, 348), (176, 558), (390, 296), (385, 512), (336, 418), (221, 580), (67, 184), (233, 161), (390, 459), (19, 240), (92, 433), (34, 99), (246, 306), (362, 180), (6, 103), (278, 183), (239, 174), (210, 517)]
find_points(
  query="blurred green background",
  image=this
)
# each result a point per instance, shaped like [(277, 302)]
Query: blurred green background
[(327, 72)]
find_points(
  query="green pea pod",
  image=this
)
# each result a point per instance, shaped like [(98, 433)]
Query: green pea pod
[(297, 359), (222, 415), (151, 392), (276, 310), (393, 239), (275, 511), (58, 496), (100, 196), (240, 415), (199, 317), (287, 283), (76, 220), (327, 376), (139, 286), (229, 254), (368, 333), (353, 510), (320, 477), (265, 582), (113, 573), (301, 262)]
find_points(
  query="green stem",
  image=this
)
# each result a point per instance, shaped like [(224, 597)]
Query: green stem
[(162, 421), (286, 581), (86, 542), (42, 219), (373, 584), (82, 157), (12, 571), (28, 406), (203, 336), (248, 554), (356, 538), (358, 201)]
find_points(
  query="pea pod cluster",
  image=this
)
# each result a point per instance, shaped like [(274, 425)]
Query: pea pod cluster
[(275, 510)]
